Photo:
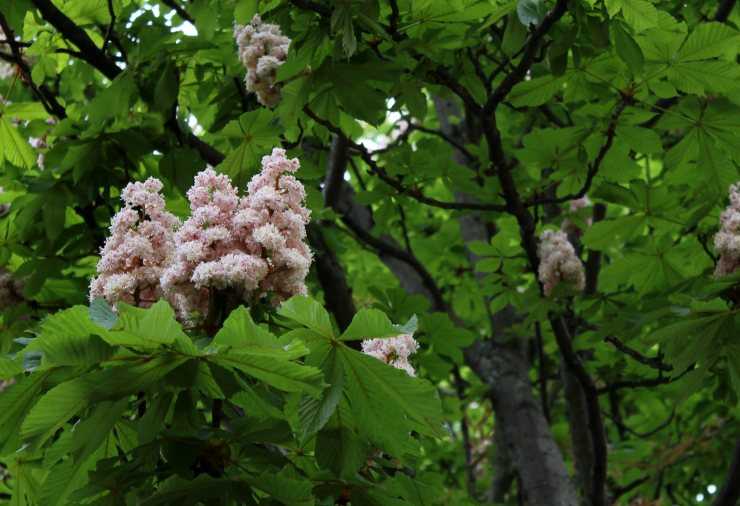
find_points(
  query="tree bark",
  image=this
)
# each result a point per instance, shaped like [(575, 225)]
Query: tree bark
[(526, 434), (521, 426)]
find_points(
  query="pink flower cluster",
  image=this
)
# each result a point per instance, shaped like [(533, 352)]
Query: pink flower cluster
[(141, 244), (253, 245), (576, 205), (262, 49), (394, 351), (727, 240), (559, 262)]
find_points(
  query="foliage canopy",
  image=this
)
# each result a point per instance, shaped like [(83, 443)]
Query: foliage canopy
[(438, 141)]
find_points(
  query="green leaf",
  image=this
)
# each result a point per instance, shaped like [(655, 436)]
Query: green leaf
[(642, 140), (698, 77), (341, 22), (155, 325), (87, 437), (639, 14), (15, 401), (244, 11), (180, 165), (369, 324), (177, 490), (258, 132), (536, 91), (240, 331), (627, 49), (388, 402), (25, 110), (67, 399), (309, 313), (13, 147), (275, 371), (9, 368), (56, 407), (115, 100), (284, 487), (70, 338), (167, 87), (341, 451), (313, 413), (708, 40)]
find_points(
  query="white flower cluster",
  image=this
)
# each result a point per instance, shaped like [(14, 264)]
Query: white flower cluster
[(262, 49), (394, 351), (727, 240), (559, 262)]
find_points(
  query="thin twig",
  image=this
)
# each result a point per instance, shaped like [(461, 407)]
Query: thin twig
[(653, 362), (396, 184)]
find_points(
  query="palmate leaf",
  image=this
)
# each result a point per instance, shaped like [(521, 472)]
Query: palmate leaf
[(69, 398), (9, 368), (258, 133), (283, 486), (639, 14), (156, 324), (708, 40), (15, 401), (701, 77), (536, 91), (14, 148), (84, 446), (695, 339), (26, 481), (313, 413), (272, 368), (56, 407), (177, 490), (240, 331), (388, 403), (308, 313), (75, 323), (369, 324), (341, 451)]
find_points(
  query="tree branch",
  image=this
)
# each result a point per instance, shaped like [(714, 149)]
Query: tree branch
[(42, 93), (88, 50), (593, 168), (729, 494), (642, 383), (109, 32), (653, 362), (528, 57), (724, 10), (469, 466), (452, 142), (596, 423), (593, 262), (396, 184), (172, 4)]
